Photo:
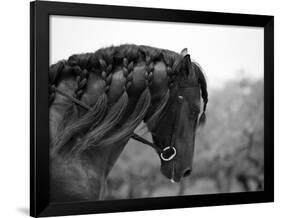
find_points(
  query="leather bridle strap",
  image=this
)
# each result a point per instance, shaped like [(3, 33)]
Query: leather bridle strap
[(171, 147), (175, 127), (143, 140), (87, 107)]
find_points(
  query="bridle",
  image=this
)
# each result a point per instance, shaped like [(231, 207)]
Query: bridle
[(168, 152), (163, 152)]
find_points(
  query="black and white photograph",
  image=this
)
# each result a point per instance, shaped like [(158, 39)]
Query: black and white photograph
[(140, 109), (144, 109)]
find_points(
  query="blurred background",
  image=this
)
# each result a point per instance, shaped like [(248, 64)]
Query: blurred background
[(229, 150)]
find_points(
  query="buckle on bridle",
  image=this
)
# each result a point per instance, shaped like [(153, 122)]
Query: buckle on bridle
[(165, 151)]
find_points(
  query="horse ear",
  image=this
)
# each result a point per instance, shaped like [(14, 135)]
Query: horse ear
[(184, 52)]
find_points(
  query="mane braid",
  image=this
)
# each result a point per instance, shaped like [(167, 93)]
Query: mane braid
[(204, 93), (125, 131), (112, 118), (89, 120), (69, 117), (152, 120), (98, 124)]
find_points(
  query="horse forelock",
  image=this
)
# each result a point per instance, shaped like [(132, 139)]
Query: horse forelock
[(107, 123)]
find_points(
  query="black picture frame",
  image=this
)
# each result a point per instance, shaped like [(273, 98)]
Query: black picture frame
[(39, 119)]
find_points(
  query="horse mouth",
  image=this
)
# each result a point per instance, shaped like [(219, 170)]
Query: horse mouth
[(169, 172), (175, 179), (172, 181)]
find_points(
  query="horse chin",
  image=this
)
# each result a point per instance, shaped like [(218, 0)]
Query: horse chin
[(170, 173)]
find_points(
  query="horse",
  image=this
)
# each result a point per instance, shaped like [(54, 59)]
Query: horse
[(96, 101)]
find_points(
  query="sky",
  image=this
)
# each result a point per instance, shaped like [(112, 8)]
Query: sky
[(224, 52)]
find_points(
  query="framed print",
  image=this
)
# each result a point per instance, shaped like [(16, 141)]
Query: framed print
[(142, 109)]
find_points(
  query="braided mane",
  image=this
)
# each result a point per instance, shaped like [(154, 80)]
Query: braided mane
[(110, 120)]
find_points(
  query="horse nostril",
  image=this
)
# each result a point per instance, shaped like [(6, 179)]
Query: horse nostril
[(187, 172)]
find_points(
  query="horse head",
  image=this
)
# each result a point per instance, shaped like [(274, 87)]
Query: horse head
[(175, 130)]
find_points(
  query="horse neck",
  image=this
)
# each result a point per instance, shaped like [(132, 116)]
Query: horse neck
[(120, 99), (83, 178)]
